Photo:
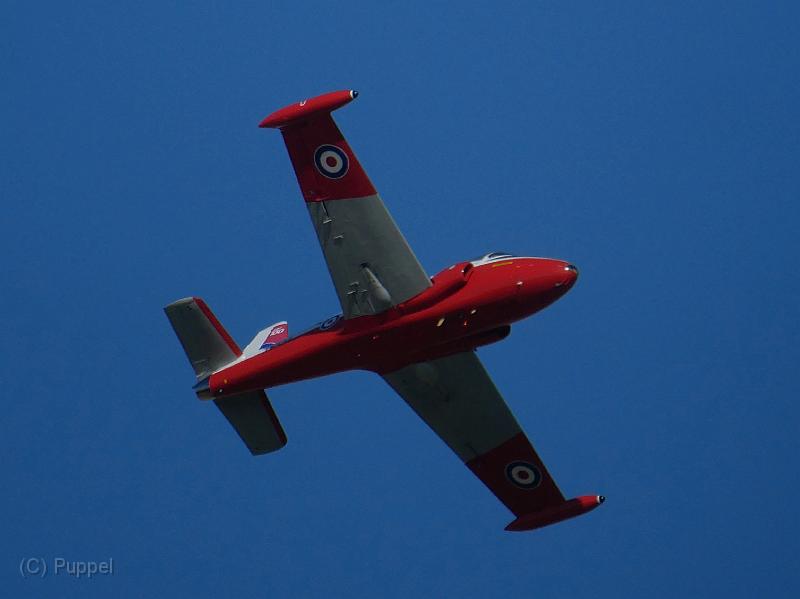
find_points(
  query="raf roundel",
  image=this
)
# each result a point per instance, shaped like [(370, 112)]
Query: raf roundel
[(329, 323), (331, 161), (524, 475)]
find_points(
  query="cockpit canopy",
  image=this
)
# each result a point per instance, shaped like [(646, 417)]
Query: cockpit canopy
[(491, 257)]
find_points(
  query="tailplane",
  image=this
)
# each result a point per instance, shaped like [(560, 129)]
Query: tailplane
[(207, 344), (210, 348)]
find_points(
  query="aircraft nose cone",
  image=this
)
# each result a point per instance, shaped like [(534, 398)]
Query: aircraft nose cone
[(572, 269), (568, 274)]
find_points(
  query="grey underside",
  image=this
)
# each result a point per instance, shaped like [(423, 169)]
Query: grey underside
[(360, 232), (250, 414), (456, 397)]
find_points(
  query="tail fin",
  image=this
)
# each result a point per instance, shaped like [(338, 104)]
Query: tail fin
[(266, 339), (209, 347)]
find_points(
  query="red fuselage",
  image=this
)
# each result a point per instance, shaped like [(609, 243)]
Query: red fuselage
[(468, 305)]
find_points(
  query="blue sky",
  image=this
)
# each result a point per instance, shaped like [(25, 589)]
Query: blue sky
[(654, 146)]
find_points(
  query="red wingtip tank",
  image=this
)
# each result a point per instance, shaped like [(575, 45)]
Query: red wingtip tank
[(568, 509), (306, 109)]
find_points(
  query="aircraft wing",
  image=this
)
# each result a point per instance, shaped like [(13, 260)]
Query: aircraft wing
[(456, 397), (369, 260)]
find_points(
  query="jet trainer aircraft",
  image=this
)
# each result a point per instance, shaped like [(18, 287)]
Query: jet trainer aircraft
[(417, 332)]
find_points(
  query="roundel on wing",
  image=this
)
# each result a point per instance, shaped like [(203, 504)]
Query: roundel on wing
[(331, 161), (523, 475)]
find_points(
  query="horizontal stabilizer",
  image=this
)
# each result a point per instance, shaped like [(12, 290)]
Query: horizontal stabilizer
[(254, 420), (207, 344)]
